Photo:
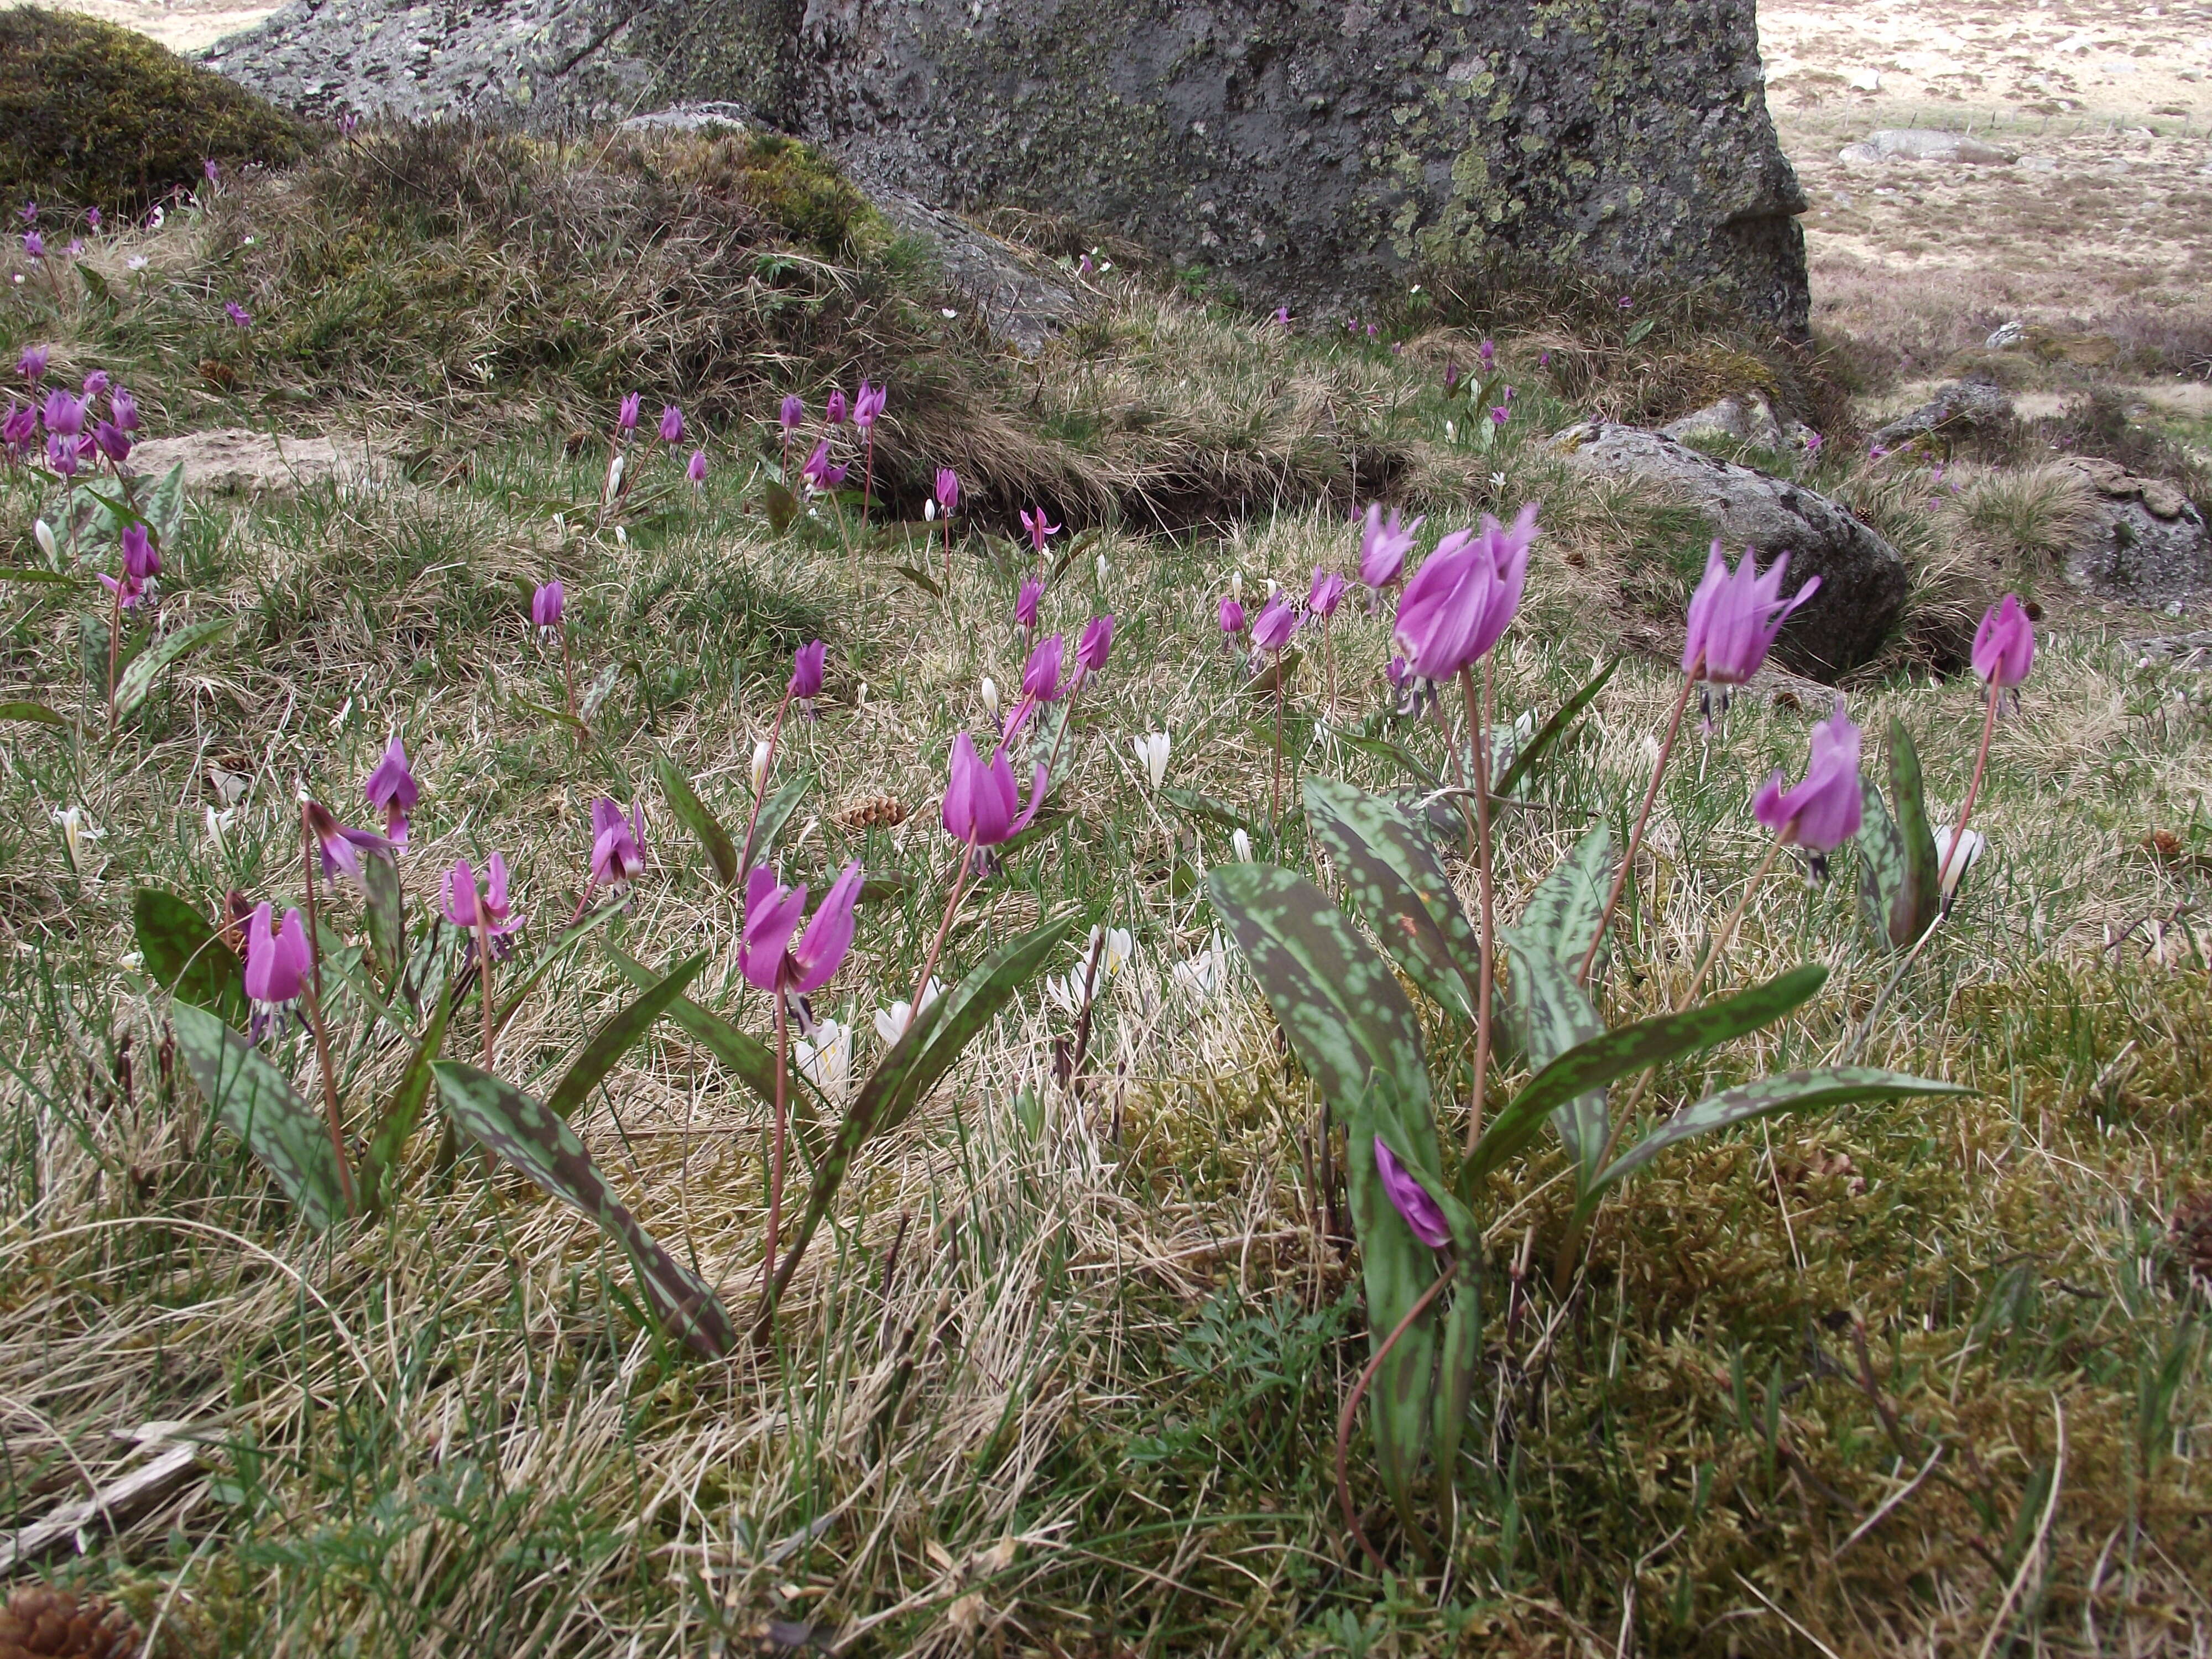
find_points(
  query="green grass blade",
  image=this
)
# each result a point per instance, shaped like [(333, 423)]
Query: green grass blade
[(543, 1146), (1597, 1062), (186, 955), (775, 812), (1383, 748), (1551, 731), (1923, 896), (402, 1110), (136, 682), (1784, 1091), (617, 1034), (259, 1104), (1396, 880), (685, 802), (555, 953), (1200, 805)]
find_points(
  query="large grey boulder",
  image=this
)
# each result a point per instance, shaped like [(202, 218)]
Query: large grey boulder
[(1863, 579), (1312, 152), (2146, 544), (1953, 409)]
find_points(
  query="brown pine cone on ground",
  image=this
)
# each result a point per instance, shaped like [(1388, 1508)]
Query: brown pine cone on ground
[(42, 1622), (886, 812)]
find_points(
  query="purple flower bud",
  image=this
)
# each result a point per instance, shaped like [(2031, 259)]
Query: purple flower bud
[(96, 383), (833, 410), (1488, 352), (277, 959), (792, 415), (140, 558), (1823, 812), (2004, 645), (868, 407), (1451, 374), (546, 604), (62, 454), (696, 471), (1383, 546), (1025, 602), (34, 245), (948, 490), (391, 787), (112, 441), (1232, 616), (1410, 1199), (626, 416), (807, 664), (1042, 679), (671, 425), (1461, 602), (617, 844)]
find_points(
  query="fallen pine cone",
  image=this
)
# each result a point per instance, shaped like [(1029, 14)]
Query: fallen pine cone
[(876, 811), (42, 1622)]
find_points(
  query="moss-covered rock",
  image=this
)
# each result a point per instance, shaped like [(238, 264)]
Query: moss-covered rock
[(96, 116)]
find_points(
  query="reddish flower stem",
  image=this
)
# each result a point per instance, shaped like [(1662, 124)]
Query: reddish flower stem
[(1478, 725), (937, 944), (315, 1017), (114, 640), (1278, 808), (1643, 819), (774, 733), (1973, 789), (775, 1177), (1343, 1419)]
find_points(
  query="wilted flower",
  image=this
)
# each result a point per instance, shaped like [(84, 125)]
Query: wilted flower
[(1038, 528), (1822, 812), (391, 787), (767, 957), (1733, 619), (696, 471), (617, 843), (1152, 751), (822, 477), (1461, 602), (341, 844), (891, 1022), (2004, 645), (1410, 1199), (980, 801), (1277, 622), (1383, 546), (278, 961), (868, 406), (546, 604), (671, 425)]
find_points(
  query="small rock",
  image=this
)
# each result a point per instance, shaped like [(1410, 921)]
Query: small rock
[(690, 118), (1740, 417), (234, 460), (2005, 334), (2145, 545), (1865, 80), (1863, 579), (1957, 407), (1926, 144), (2044, 164)]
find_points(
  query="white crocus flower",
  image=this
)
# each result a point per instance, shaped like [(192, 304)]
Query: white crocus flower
[(929, 512), (1204, 974), (990, 696), (1970, 849), (1103, 570), (74, 833), (1236, 586), (761, 752), (1152, 751), (891, 1022), (826, 1060), (216, 823), (1451, 431), (43, 533), (1066, 992), (1242, 845)]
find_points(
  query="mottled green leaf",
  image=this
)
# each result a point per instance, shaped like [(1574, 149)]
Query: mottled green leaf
[(543, 1146), (1594, 1063), (617, 1035), (921, 578), (782, 505), (19, 572), (260, 1106), (1552, 1014), (1277, 672), (35, 714), (1922, 893), (1384, 749), (1205, 806), (693, 813), (1552, 730), (402, 1110), (933, 1041), (1784, 1091), (186, 955), (386, 913), (136, 682), (1398, 884), (164, 510), (1562, 914), (775, 811)]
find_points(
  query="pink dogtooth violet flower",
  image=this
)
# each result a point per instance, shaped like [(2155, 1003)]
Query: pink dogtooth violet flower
[(65, 414), (392, 787), (1733, 618), (128, 592), (62, 454), (868, 407), (617, 843), (112, 441), (239, 315), (20, 428), (671, 425), (1042, 678), (34, 245), (29, 211), (806, 667), (141, 559), (1451, 374), (122, 409), (208, 167), (765, 955), (1097, 641), (277, 963), (1383, 546), (1039, 529), (1488, 352), (948, 490), (1327, 594), (341, 844), (822, 477), (1410, 1199), (2004, 645), (92, 217), (833, 410), (626, 417), (792, 413), (1025, 602), (546, 604), (1232, 616), (1823, 811), (1282, 317), (94, 384), (1459, 603), (980, 801), (457, 895), (1278, 619), (31, 365), (696, 471)]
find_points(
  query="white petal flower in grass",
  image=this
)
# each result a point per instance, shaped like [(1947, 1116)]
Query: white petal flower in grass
[(891, 1022), (1152, 750)]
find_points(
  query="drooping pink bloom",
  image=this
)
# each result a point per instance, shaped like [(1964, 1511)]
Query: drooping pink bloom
[(122, 409), (1410, 1199), (1488, 352), (1039, 529), (1733, 618), (767, 957), (671, 425), (112, 441), (278, 961), (62, 454), (1232, 616), (806, 666), (1461, 602), (822, 477), (546, 604), (1278, 619), (1043, 681), (1327, 593), (833, 410), (868, 407), (208, 167), (92, 217), (239, 315), (617, 843), (141, 559), (2004, 645), (34, 245), (1282, 318), (626, 416), (793, 414), (31, 365), (1026, 601), (1822, 812), (391, 787), (65, 414), (1383, 546), (128, 592), (94, 384), (948, 490), (980, 801), (457, 895), (341, 844), (696, 471), (1091, 651), (18, 429)]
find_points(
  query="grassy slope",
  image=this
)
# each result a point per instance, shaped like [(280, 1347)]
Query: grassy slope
[(1069, 1376)]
